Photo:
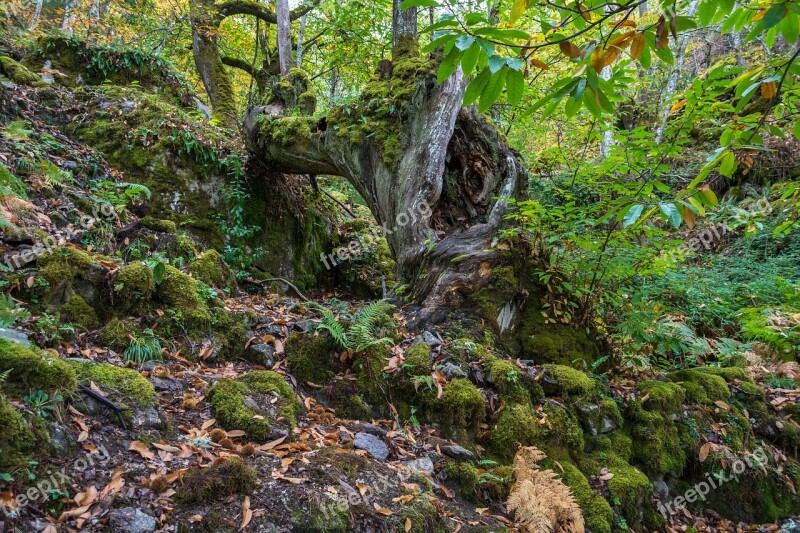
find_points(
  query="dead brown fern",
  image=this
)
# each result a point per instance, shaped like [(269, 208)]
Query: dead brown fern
[(540, 501)]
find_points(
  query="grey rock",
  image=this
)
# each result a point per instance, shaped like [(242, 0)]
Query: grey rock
[(372, 445), (149, 419), (263, 353), (429, 338), (164, 384), (595, 424), (61, 442), (372, 429), (15, 335), (457, 452), (202, 108), (790, 526), (131, 520), (422, 465), (47, 77), (148, 366), (452, 371), (661, 491)]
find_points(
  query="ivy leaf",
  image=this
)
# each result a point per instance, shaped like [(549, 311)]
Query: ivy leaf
[(515, 86), (672, 213)]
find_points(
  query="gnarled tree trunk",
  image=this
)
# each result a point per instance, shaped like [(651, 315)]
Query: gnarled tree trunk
[(440, 202)]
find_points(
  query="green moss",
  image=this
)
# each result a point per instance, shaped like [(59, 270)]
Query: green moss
[(62, 265), (135, 281), (230, 329), (505, 376), (307, 103), (418, 360), (467, 351), (123, 383), (116, 334), (460, 410), (17, 71), (662, 396), (702, 387), (79, 312), (30, 370), (554, 343), (311, 358), (424, 515), (464, 476), (225, 477), (179, 291), (597, 513), (161, 226), (517, 425), (288, 131), (568, 381), (17, 441), (210, 268), (233, 410), (630, 492)]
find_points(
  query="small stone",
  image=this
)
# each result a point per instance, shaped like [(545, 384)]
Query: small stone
[(15, 335), (422, 465), (263, 353), (790, 526), (131, 520), (451, 371), (661, 490), (161, 384), (458, 453), (429, 338), (372, 445), (148, 366), (372, 429), (149, 419)]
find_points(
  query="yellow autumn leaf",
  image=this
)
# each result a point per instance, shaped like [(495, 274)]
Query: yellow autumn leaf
[(769, 90), (637, 46)]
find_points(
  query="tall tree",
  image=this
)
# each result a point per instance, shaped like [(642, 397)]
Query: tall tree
[(206, 18), (284, 36)]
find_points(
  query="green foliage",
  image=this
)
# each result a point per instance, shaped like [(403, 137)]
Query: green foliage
[(42, 403), (357, 332), (145, 348), (10, 313)]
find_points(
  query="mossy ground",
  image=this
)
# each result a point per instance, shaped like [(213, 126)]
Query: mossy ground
[(226, 477), (31, 370), (123, 384)]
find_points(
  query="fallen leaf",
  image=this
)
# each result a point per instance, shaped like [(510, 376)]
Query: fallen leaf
[(141, 448), (382, 510)]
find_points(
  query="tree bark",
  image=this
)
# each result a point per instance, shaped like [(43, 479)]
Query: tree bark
[(37, 13), (284, 36), (300, 36), (442, 202), (404, 26)]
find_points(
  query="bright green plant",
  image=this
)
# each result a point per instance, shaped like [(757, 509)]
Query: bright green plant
[(10, 312), (357, 332), (144, 348), (42, 403)]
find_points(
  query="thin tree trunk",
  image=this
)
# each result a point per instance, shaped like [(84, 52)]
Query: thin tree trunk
[(300, 36), (404, 27), (66, 22), (674, 76), (37, 13), (94, 11), (608, 133), (333, 83), (284, 36)]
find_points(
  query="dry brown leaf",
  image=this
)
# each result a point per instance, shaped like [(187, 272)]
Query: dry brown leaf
[(141, 448), (704, 451), (382, 510)]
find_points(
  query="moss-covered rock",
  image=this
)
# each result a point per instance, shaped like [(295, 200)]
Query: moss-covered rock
[(210, 268), (702, 387), (225, 477), (463, 475), (17, 71), (78, 311), (658, 447), (631, 492), (179, 292), (566, 381), (135, 283), (460, 410), (124, 385), (312, 358), (554, 343), (505, 376), (161, 226), (117, 334), (597, 513), (31, 370), (17, 441), (255, 403)]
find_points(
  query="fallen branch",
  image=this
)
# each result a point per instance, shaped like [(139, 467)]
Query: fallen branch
[(105, 402)]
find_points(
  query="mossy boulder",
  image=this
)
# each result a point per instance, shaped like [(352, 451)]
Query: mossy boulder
[(702, 387), (464, 476), (18, 72), (459, 411), (597, 512), (210, 268), (566, 381), (517, 425), (312, 358), (159, 225), (32, 370), (135, 283), (631, 492), (506, 378), (545, 342), (124, 385), (259, 403), (116, 334), (179, 291), (658, 446), (17, 441), (70, 271), (78, 311), (225, 477)]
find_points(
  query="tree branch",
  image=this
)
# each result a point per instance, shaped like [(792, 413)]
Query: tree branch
[(241, 64), (251, 7)]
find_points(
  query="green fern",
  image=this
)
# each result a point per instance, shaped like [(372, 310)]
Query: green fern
[(54, 175), (358, 332), (9, 312), (17, 130), (135, 191)]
